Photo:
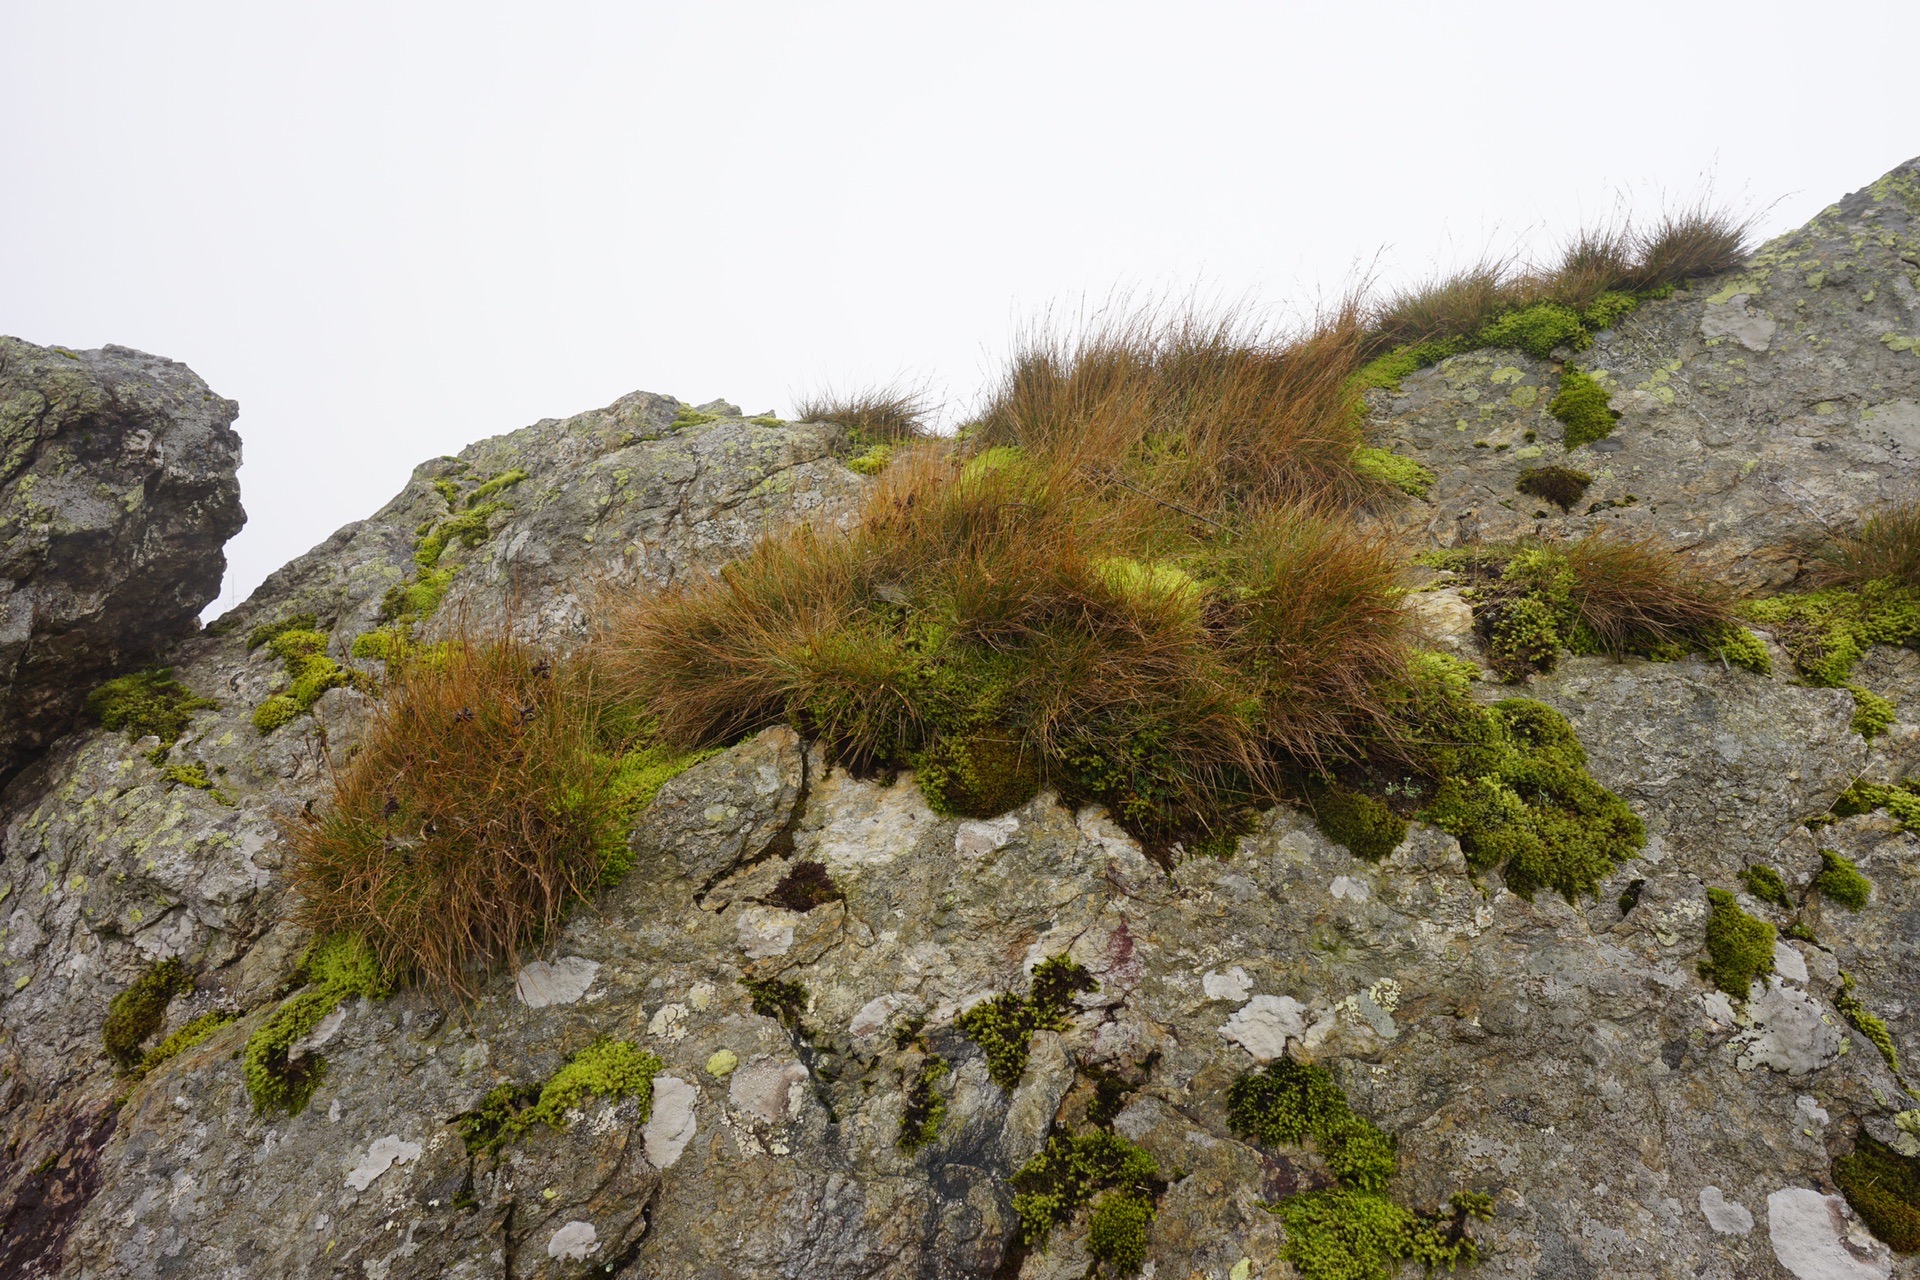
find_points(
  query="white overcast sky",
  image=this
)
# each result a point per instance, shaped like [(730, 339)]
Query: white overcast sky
[(391, 229)]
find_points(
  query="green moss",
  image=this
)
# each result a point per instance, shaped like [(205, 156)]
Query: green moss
[(1393, 470), (335, 969), (139, 1011), (1739, 647), (1841, 881), (147, 702), (1050, 1188), (768, 420), (1900, 800), (873, 461), (495, 484), (310, 671), (1537, 330), (1825, 632), (1871, 712), (1366, 826), (1883, 1187), (981, 776), (1581, 406), (1515, 791), (691, 417), (1606, 309), (1767, 885), (638, 775), (777, 998), (1117, 1230), (1387, 370), (1286, 1103), (926, 1108), (606, 1068), (190, 1034), (1003, 1027), (1867, 1022), (1739, 946), (1562, 486)]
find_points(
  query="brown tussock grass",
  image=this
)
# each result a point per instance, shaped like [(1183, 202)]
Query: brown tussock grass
[(1886, 547), (1637, 592), (878, 416)]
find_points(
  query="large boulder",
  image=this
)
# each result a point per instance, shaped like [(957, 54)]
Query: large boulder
[(117, 493)]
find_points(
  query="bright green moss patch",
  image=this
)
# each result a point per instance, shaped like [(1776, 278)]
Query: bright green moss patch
[(1767, 885), (1387, 370), (335, 969), (147, 702), (1739, 946), (1867, 1022), (1872, 714), (267, 631), (873, 461), (139, 1011), (1003, 1027), (691, 417), (190, 1034), (1392, 469), (1883, 1187), (1825, 632), (495, 484), (468, 523), (1901, 800), (1841, 881), (607, 1068), (1365, 826), (636, 778), (926, 1108), (1537, 330), (1069, 1174), (1353, 1232), (310, 673), (1581, 406)]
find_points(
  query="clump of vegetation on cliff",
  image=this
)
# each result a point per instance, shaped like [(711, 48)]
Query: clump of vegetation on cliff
[(493, 790), (147, 702), (877, 422), (1354, 1231)]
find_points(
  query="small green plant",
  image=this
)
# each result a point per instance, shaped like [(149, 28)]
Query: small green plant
[(1739, 946), (1767, 885), (926, 1108), (1095, 1168), (335, 969), (147, 702), (605, 1068), (1393, 470), (1872, 714), (1840, 880), (139, 1011), (310, 673), (1366, 826), (191, 1033), (1867, 1022), (1825, 632), (1883, 1187), (1003, 1027), (1537, 330), (1562, 486), (1581, 406)]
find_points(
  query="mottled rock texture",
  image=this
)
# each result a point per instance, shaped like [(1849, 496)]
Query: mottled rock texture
[(1630, 1121), (117, 493)]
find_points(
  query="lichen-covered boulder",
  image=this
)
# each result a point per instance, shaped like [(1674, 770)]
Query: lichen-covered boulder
[(117, 493)]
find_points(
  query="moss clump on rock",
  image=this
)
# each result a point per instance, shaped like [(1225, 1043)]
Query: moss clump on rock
[(1003, 1027), (1393, 470), (1354, 1231), (310, 673), (925, 1110), (1901, 800), (1562, 486), (147, 702), (981, 776), (1739, 946), (805, 886), (191, 1033), (1582, 408), (335, 969), (1364, 825), (1826, 632), (139, 1011), (1867, 1022), (1767, 885), (1883, 1187), (1098, 1168), (606, 1068), (1840, 880)]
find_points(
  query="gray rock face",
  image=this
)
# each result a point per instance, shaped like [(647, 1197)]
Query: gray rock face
[(1757, 410), (117, 493), (1629, 1119)]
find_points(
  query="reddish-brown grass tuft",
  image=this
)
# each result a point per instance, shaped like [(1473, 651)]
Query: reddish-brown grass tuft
[(1637, 594), (882, 416), (1886, 547)]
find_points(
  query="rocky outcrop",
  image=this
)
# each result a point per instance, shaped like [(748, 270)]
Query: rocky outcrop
[(1757, 411), (1569, 1060), (117, 493)]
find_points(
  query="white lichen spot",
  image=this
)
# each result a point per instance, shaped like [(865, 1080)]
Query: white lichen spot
[(765, 931), (874, 1016), (1385, 993), (975, 839), (563, 981), (1232, 985), (383, 1155), (669, 1022), (1788, 962), (574, 1242), (1264, 1025), (1350, 888), (1727, 1217), (1788, 1033), (700, 995), (674, 1120), (1816, 1237)]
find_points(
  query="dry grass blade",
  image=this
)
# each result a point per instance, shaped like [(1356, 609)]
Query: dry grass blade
[(1886, 548), (1457, 306), (1698, 240), (478, 808), (1635, 593), (884, 416)]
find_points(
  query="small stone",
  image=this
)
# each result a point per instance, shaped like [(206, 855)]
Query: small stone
[(574, 1242)]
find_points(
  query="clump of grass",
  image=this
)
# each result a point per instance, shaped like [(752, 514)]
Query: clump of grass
[(1885, 548), (492, 791), (877, 422), (1601, 594)]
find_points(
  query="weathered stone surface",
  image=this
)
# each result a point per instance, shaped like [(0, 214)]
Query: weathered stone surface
[(117, 493), (726, 811)]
